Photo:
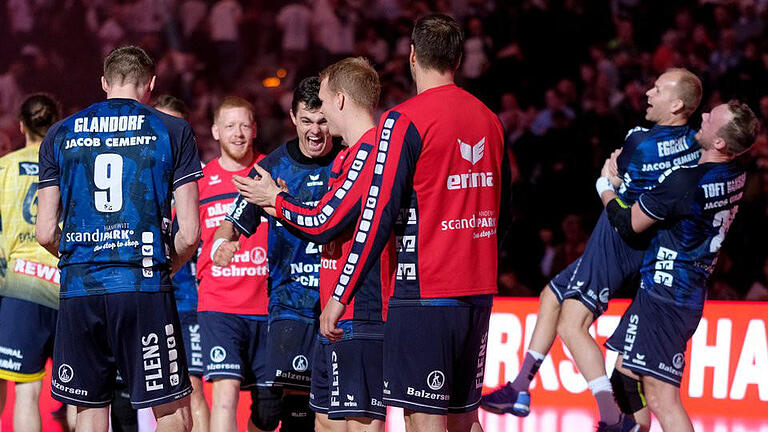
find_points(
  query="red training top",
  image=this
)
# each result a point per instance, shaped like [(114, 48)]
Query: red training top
[(436, 185), (241, 287)]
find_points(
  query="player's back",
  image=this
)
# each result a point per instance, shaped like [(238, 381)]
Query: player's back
[(18, 213), (700, 203), (446, 229), (647, 153), (116, 164)]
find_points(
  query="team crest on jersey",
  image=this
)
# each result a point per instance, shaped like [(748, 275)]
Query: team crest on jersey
[(472, 153), (28, 168)]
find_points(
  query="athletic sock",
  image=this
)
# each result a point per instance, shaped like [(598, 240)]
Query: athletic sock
[(531, 364), (610, 413)]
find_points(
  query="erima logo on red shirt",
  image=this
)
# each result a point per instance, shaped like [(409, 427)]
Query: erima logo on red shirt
[(472, 154)]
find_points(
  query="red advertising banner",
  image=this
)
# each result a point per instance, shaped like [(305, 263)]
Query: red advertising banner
[(726, 369), (724, 388)]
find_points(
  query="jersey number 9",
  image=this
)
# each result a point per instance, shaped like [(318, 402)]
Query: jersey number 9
[(108, 178)]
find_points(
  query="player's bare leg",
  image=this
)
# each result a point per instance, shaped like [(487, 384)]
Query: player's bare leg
[(226, 394), (71, 417), (201, 414), (364, 424), (26, 409), (513, 398), (422, 422), (573, 329), (665, 403), (464, 422), (92, 419), (324, 424), (642, 417), (173, 416)]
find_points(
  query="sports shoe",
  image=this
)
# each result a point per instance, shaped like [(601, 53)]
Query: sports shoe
[(626, 424), (507, 400)]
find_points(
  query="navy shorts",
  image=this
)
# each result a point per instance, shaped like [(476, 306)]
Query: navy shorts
[(347, 379), (606, 264), (652, 337), (190, 332), (26, 339), (136, 333), (234, 347), (289, 353), (434, 357)]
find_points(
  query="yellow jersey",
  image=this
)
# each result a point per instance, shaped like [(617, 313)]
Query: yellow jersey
[(31, 273)]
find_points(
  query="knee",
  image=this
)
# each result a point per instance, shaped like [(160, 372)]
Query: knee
[(660, 402), (226, 394), (265, 407), (565, 328), (462, 422), (181, 417)]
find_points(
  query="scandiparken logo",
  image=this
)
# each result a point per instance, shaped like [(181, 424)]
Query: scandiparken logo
[(66, 373)]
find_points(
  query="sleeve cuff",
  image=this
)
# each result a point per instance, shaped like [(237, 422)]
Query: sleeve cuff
[(647, 211), (279, 199)]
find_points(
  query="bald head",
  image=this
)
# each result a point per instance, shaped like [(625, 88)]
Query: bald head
[(687, 88)]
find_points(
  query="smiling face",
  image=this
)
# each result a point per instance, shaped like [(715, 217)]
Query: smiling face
[(663, 98), (235, 129), (312, 130), (711, 123)]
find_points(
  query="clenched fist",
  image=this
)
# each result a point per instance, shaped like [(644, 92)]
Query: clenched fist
[(225, 252)]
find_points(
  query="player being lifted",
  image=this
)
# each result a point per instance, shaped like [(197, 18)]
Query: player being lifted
[(109, 170), (579, 294), (437, 166), (692, 207), (347, 368), (28, 310), (233, 298), (304, 164)]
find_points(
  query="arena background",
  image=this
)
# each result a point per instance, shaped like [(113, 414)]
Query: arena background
[(567, 78)]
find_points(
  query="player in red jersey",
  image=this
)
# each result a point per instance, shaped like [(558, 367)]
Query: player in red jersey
[(436, 184), (350, 361), (232, 305)]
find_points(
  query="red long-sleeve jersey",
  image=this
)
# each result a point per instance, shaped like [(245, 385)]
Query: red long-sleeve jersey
[(332, 222), (435, 183)]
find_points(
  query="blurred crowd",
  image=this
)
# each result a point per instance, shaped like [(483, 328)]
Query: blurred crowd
[(566, 77)]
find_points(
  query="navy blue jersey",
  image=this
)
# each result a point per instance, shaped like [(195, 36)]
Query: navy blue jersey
[(695, 206), (294, 263), (185, 288), (647, 153), (116, 164)]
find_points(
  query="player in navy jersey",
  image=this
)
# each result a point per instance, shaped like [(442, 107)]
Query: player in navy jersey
[(110, 170), (691, 209), (294, 263), (348, 363), (584, 287), (435, 185), (185, 292)]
